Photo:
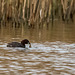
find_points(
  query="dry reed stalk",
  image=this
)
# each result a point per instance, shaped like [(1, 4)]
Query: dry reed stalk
[(24, 9), (3, 3), (0, 9), (28, 5), (67, 9), (70, 8)]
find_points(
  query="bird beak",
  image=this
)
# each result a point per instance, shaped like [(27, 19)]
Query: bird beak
[(30, 46)]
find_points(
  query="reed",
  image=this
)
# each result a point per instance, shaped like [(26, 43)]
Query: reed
[(34, 12)]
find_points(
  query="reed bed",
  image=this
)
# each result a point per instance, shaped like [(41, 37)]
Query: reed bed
[(34, 12)]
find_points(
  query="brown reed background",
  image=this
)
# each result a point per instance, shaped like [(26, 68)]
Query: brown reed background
[(35, 12)]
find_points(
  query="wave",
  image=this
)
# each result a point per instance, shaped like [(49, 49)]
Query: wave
[(46, 46)]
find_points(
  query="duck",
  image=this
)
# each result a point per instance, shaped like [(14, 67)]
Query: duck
[(23, 44)]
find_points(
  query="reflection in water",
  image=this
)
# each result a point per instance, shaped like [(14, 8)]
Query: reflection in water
[(58, 32), (52, 52)]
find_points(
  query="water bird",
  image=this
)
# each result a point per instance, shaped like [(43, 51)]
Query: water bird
[(24, 44)]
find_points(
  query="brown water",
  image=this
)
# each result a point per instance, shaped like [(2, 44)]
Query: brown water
[(52, 52)]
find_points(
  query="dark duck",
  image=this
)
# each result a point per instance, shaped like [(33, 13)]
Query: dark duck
[(23, 44)]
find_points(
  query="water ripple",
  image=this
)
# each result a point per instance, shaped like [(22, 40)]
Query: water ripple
[(49, 58)]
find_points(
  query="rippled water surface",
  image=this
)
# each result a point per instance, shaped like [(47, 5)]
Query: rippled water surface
[(52, 51)]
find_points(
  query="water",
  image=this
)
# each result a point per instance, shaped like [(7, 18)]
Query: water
[(52, 51)]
